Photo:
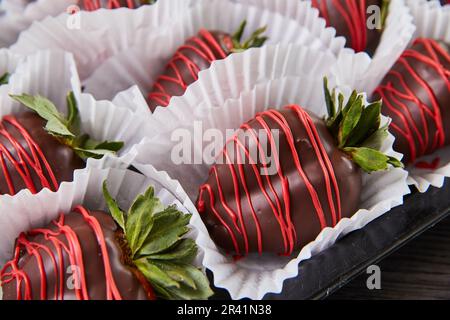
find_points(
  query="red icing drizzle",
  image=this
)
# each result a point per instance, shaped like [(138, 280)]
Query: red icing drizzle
[(394, 98), (92, 5), (24, 161), (240, 185), (203, 47), (433, 165), (354, 14), (72, 247)]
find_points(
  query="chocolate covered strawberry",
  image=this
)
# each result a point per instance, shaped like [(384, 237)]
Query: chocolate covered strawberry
[(41, 149), (92, 5), (416, 94), (254, 204), (197, 54), (350, 18), (93, 255)]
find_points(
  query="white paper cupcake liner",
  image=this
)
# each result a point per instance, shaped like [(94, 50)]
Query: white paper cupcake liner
[(143, 63), (26, 211), (363, 73), (94, 36), (20, 14), (53, 75), (228, 78), (306, 15), (432, 19), (8, 65), (253, 277)]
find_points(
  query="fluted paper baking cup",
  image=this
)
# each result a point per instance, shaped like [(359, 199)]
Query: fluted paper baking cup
[(94, 36), (228, 78), (363, 73), (53, 74), (253, 276), (306, 15), (26, 211), (431, 18), (11, 24), (143, 63), (8, 65)]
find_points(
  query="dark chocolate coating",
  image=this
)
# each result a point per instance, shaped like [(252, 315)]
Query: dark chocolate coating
[(303, 214), (337, 21), (129, 286), (62, 159), (439, 88), (174, 89)]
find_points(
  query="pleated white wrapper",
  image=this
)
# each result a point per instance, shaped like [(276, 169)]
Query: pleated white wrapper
[(228, 78), (144, 62), (433, 21), (92, 37), (52, 74), (254, 276), (363, 73), (8, 65), (25, 211), (305, 14)]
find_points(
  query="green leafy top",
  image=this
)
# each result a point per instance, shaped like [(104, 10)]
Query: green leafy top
[(254, 41), (4, 78), (384, 12), (358, 130), (67, 129), (154, 235)]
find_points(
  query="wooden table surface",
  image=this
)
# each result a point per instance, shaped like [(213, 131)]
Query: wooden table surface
[(419, 270)]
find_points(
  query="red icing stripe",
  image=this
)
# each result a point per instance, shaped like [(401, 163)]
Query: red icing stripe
[(23, 161), (354, 14), (91, 5), (12, 271), (395, 99), (203, 47), (283, 217)]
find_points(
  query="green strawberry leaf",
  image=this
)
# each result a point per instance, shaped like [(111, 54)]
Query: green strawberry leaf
[(357, 130), (369, 123), (73, 117), (176, 272), (329, 101), (141, 218), (154, 235), (67, 130), (4, 79), (184, 251), (202, 289), (254, 41), (395, 162), (155, 275), (170, 226), (56, 123), (375, 141), (114, 146), (114, 209), (384, 13), (350, 121), (371, 160)]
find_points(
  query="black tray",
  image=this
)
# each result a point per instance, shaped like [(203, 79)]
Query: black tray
[(331, 269)]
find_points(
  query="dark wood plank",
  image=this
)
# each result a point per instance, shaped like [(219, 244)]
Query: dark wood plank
[(420, 270)]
